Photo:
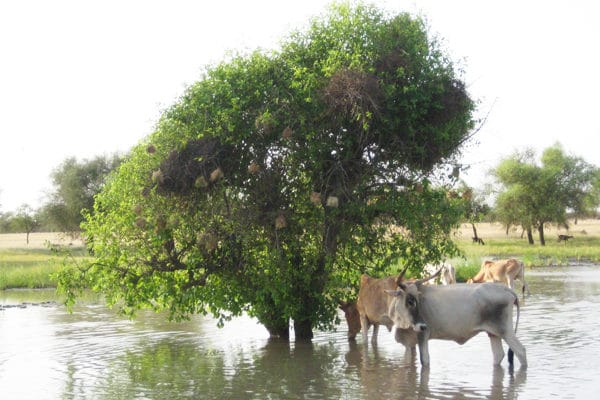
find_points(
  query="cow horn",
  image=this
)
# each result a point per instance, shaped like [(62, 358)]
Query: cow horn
[(400, 276), (420, 281)]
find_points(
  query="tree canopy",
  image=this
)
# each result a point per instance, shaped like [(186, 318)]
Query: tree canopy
[(75, 185), (532, 195), (280, 177), (25, 220)]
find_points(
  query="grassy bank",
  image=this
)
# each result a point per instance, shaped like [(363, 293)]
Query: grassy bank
[(31, 268), (27, 269), (583, 247), (32, 265)]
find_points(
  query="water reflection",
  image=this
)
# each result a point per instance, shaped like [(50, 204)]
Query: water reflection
[(46, 353), (381, 377), (166, 370)]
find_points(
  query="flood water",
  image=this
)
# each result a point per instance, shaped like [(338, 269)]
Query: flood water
[(47, 353)]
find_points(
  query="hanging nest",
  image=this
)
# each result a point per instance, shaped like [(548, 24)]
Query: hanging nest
[(333, 201), (315, 198), (200, 164), (280, 221), (353, 94)]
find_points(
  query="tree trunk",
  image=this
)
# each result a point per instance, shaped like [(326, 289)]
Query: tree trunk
[(303, 326), (303, 330), (530, 236), (474, 231), (272, 319), (278, 332), (541, 233)]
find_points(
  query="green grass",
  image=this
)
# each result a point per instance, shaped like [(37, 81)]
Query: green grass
[(30, 268), (581, 249), (34, 268)]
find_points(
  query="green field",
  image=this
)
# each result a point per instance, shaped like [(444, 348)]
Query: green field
[(584, 247), (33, 265), (27, 269)]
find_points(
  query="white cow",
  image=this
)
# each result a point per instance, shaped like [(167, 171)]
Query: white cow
[(447, 273), (458, 312)]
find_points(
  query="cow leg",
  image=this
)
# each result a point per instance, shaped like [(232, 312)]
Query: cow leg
[(521, 277), (375, 333), (410, 351), (423, 338), (364, 326), (525, 287), (516, 346), (510, 282), (497, 349)]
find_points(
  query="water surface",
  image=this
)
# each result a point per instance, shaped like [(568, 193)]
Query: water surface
[(47, 353)]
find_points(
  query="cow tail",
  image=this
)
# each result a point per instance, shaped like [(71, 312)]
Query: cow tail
[(524, 281), (511, 354), (518, 312)]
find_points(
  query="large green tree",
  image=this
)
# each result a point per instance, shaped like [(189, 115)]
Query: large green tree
[(280, 177), (532, 194)]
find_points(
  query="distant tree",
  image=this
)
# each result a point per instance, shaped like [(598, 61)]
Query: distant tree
[(475, 208), (578, 180), (533, 195), (25, 220), (6, 222), (280, 177), (75, 185)]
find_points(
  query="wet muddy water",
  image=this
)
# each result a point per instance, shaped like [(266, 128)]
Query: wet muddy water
[(92, 353)]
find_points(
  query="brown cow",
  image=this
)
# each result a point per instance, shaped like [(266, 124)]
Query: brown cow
[(504, 271), (408, 337), (371, 308)]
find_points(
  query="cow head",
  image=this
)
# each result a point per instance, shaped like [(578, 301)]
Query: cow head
[(352, 318), (404, 308)]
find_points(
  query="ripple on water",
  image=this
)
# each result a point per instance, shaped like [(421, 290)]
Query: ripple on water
[(94, 353)]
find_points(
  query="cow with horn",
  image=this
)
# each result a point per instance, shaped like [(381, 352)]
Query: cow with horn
[(457, 312)]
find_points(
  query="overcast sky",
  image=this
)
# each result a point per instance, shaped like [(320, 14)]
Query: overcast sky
[(85, 78)]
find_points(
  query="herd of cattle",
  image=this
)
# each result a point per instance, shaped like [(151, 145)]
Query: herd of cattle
[(420, 310)]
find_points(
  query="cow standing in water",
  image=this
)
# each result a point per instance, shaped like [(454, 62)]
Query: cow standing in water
[(503, 271), (371, 308), (458, 312)]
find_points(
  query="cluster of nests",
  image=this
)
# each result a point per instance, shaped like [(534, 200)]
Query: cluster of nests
[(201, 163), (198, 165)]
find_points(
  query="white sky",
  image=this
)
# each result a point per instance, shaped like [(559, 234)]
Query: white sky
[(85, 78)]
